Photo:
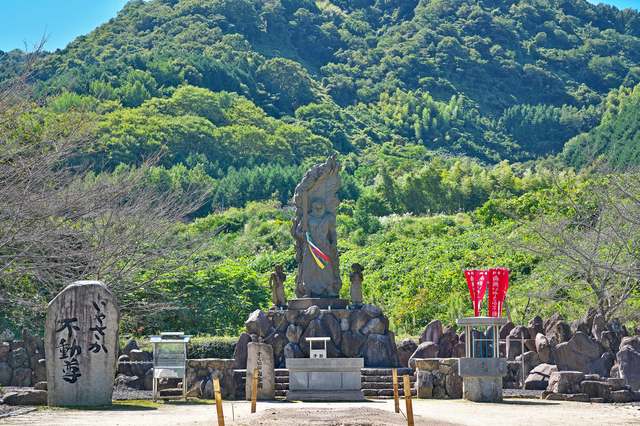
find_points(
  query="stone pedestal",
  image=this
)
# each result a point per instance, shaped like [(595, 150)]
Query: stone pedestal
[(321, 302), (260, 357), (81, 345), (482, 378), (325, 379)]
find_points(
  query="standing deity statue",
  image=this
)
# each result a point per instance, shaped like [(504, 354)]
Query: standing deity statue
[(356, 278), (276, 284), (314, 231)]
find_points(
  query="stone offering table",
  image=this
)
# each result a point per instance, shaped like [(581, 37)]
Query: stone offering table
[(325, 379), (482, 370)]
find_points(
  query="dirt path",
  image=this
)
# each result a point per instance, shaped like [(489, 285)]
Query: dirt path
[(373, 413)]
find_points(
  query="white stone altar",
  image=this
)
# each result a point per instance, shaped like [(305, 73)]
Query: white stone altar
[(325, 379)]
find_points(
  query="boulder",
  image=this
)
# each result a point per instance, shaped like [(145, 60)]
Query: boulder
[(344, 324), (124, 382), (123, 368), (357, 320), (332, 326), (5, 347), (602, 366), (423, 384), (432, 332), (564, 381), (447, 341), (258, 322), (438, 392), (147, 382), (140, 356), (307, 316), (622, 396), (35, 357), (240, 352), (25, 397), (278, 341), (425, 350), (514, 348), (379, 351), (17, 344), (405, 350), (21, 377), (40, 372), (18, 358), (506, 329), (40, 386), (616, 384), (538, 378), (595, 389), (279, 321), (294, 332), (599, 325), (629, 361), (351, 344), (314, 329), (610, 341), (543, 348), (561, 332), (384, 320), (6, 374), (577, 353), (459, 350), (535, 326), (578, 325), (372, 311), (531, 360), (291, 350), (549, 323), (130, 345), (374, 325)]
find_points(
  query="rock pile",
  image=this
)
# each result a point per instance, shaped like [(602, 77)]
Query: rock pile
[(360, 332), (22, 362), (579, 387), (437, 378)]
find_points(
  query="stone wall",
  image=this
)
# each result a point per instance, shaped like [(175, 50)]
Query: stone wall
[(360, 332), (22, 362), (202, 372), (437, 378)]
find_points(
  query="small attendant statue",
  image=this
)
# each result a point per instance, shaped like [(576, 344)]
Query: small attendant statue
[(276, 284), (356, 284)]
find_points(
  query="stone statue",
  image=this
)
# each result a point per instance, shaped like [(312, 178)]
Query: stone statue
[(356, 284), (314, 231), (276, 284)]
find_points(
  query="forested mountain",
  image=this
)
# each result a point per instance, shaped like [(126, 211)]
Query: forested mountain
[(493, 80), (436, 107)]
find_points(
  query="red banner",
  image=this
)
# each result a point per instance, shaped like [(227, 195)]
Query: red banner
[(497, 280), (494, 292)]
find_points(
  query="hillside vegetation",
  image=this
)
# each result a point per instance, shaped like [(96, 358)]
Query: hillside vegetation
[(449, 117)]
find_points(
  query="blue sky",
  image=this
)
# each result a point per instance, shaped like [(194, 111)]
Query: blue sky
[(64, 20)]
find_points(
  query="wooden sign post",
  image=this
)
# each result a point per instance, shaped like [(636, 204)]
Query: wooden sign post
[(254, 393), (407, 398), (216, 390), (396, 397)]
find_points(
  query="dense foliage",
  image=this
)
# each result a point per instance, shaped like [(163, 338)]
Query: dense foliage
[(448, 116)]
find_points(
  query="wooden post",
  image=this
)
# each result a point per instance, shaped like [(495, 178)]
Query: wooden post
[(254, 391), (216, 390), (407, 398), (396, 398)]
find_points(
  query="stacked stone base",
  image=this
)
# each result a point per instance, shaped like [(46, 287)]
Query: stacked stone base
[(579, 387), (437, 378)]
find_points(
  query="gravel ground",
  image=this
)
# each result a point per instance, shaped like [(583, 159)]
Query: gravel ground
[(521, 393)]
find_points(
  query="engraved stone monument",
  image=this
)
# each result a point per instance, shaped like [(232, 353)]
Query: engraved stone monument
[(81, 345), (260, 357)]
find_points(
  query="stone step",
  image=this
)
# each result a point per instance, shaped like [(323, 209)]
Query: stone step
[(385, 371), (282, 386), (385, 379), (281, 393), (282, 379), (376, 393), (281, 372)]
